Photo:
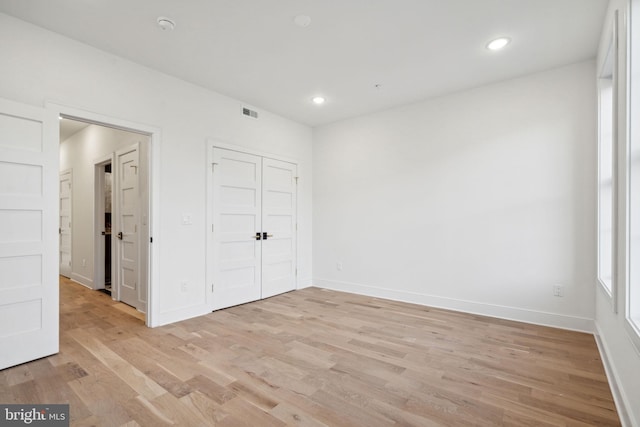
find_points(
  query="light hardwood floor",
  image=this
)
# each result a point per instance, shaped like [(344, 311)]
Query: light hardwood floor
[(313, 358)]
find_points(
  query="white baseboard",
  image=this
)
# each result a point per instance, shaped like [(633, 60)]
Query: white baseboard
[(305, 282), (179, 314), (573, 323), (85, 281), (619, 397)]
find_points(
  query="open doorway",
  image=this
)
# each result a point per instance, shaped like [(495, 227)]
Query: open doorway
[(110, 230), (104, 206)]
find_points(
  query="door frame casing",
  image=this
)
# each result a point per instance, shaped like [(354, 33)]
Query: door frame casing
[(153, 178), (211, 144)]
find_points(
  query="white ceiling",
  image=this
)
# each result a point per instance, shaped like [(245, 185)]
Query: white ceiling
[(252, 50)]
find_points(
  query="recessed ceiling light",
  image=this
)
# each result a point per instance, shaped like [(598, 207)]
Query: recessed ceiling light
[(318, 100), (166, 23), (498, 43), (302, 20)]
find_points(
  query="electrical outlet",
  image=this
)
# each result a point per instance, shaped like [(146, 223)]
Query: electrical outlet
[(183, 287), (558, 290), (339, 265)]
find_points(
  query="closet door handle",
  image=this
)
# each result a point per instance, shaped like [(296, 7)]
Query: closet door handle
[(257, 236), (265, 235), (120, 235)]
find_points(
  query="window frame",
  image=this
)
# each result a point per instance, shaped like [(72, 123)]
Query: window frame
[(608, 67), (632, 307)]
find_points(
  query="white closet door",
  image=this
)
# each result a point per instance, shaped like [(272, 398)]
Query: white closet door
[(28, 233), (65, 223), (279, 222), (236, 199), (127, 225)]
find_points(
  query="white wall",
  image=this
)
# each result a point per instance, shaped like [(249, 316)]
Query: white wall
[(621, 357), (37, 66), (480, 201), (79, 153)]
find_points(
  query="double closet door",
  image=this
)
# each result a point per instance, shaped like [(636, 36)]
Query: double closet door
[(253, 205)]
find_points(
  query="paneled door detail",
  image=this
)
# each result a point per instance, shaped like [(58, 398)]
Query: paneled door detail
[(253, 200), (279, 221), (126, 230), (64, 230), (28, 233), (237, 220)]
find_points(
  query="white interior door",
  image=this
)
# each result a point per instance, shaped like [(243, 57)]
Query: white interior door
[(28, 233), (253, 205), (66, 182), (279, 222), (236, 199), (126, 230)]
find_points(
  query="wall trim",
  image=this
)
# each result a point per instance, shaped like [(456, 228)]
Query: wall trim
[(619, 397), (83, 280), (177, 315), (554, 320)]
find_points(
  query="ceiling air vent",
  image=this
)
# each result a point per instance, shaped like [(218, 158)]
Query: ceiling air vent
[(249, 113)]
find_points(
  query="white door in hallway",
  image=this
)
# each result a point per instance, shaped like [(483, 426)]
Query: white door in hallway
[(64, 230), (253, 205), (237, 220), (127, 226), (279, 222), (29, 256)]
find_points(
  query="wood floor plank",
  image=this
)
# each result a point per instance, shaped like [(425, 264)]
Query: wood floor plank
[(313, 358)]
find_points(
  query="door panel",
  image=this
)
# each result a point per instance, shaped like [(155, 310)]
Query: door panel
[(279, 220), (252, 194), (126, 231), (28, 233), (236, 198), (65, 223)]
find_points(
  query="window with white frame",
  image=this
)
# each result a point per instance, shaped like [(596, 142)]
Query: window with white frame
[(633, 188), (607, 167)]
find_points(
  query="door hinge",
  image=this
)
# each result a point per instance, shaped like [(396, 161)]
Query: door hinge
[(296, 272), (212, 288), (296, 178), (212, 228), (150, 239)]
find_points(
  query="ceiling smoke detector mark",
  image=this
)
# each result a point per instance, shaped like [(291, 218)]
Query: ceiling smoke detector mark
[(249, 113), (165, 23), (302, 21)]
